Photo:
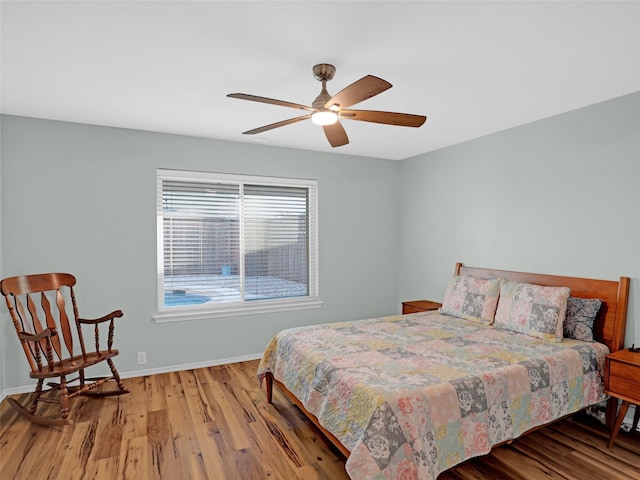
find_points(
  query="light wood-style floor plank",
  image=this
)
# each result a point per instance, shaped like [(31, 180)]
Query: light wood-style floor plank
[(214, 424)]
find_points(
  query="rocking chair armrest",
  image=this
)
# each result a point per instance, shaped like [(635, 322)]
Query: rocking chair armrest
[(114, 314), (31, 337)]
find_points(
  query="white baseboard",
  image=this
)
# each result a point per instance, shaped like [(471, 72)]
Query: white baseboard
[(190, 366), (151, 371)]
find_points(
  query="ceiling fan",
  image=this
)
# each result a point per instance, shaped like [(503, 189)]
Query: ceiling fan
[(327, 110)]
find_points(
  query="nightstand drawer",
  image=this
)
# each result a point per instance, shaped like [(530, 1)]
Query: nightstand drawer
[(623, 386), (625, 370), (416, 306), (411, 309)]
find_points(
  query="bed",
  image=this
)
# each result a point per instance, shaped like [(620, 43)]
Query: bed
[(410, 396)]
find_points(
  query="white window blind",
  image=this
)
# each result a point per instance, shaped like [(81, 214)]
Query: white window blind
[(276, 242), (235, 244)]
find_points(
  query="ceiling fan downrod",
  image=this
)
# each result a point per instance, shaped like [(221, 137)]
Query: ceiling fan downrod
[(323, 116)]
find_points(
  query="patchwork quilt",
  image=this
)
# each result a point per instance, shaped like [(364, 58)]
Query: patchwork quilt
[(413, 395)]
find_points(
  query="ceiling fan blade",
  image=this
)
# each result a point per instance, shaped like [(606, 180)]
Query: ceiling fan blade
[(271, 126), (388, 118), (335, 134), (358, 91), (271, 101)]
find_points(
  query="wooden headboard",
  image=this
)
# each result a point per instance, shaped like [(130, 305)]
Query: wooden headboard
[(611, 321)]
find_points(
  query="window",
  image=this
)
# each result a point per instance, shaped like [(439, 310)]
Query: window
[(231, 245)]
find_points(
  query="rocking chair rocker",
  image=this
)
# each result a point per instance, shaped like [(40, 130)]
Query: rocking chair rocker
[(49, 343)]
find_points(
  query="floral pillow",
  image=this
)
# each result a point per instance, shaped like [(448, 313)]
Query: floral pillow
[(532, 309), (471, 298), (581, 315)]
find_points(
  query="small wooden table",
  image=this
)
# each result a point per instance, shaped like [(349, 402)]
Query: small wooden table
[(622, 380), (414, 306)]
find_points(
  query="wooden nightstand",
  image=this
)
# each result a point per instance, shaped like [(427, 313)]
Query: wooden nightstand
[(415, 306), (622, 380)]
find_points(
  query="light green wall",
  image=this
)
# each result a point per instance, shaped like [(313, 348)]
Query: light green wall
[(560, 196), (82, 199)]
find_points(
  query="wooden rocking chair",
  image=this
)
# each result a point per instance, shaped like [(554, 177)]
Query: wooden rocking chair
[(51, 356)]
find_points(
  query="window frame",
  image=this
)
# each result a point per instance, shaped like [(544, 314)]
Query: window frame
[(207, 310)]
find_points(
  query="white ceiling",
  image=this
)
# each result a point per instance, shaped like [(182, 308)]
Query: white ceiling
[(473, 68)]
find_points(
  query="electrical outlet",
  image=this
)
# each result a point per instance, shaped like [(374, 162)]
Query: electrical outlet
[(142, 358)]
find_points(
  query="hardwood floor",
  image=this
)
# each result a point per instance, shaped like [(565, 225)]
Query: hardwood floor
[(214, 423)]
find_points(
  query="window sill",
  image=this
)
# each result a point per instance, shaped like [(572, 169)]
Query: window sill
[(184, 314)]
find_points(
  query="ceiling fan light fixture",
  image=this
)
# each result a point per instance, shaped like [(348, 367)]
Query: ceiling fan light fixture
[(324, 117)]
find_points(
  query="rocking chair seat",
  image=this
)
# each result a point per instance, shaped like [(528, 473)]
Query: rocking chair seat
[(74, 364)]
